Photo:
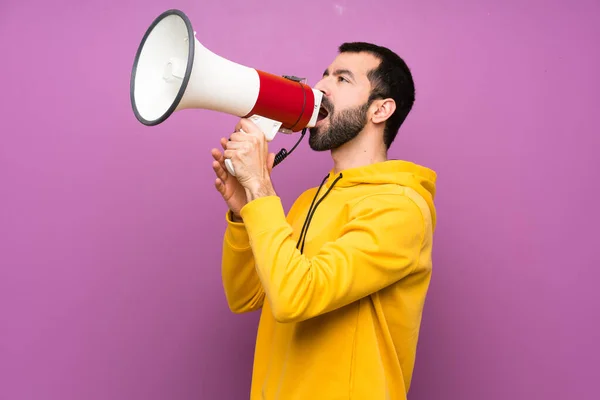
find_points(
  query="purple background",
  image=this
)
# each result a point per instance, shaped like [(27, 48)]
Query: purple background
[(109, 278)]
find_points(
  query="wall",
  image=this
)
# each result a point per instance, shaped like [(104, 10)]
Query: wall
[(110, 231)]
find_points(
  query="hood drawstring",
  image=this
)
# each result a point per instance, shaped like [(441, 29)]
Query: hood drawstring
[(311, 210)]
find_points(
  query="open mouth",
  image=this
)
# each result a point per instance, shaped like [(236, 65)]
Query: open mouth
[(323, 113)]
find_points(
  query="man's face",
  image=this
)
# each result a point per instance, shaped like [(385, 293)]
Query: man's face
[(346, 90)]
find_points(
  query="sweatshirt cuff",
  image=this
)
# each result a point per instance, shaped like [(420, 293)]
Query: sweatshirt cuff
[(236, 234), (263, 214)]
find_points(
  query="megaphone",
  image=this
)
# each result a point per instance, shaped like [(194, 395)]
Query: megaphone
[(173, 71)]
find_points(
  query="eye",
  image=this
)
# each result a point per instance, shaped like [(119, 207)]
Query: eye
[(342, 79)]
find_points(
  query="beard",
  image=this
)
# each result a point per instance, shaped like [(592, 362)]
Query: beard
[(343, 126)]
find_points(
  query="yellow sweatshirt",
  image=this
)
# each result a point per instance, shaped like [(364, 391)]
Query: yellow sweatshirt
[(341, 299)]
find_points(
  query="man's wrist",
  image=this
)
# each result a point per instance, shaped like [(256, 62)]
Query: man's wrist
[(235, 217), (259, 189)]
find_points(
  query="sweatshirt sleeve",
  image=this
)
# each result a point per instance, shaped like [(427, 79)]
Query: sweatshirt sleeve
[(243, 289), (379, 245)]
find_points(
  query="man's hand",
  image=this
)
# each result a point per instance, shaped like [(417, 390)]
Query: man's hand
[(232, 191), (249, 153)]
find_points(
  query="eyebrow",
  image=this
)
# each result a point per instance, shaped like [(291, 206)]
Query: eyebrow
[(340, 72)]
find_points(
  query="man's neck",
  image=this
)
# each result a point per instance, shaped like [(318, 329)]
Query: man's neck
[(357, 153)]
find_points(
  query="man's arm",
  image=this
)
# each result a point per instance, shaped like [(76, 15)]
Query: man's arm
[(379, 246), (243, 289)]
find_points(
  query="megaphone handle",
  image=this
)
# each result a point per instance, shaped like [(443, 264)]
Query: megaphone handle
[(229, 166)]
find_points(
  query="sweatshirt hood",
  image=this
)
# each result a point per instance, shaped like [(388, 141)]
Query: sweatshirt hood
[(399, 172)]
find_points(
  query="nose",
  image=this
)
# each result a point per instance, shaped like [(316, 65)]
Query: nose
[(322, 87)]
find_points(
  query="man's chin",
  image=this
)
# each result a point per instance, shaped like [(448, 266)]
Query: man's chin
[(316, 144)]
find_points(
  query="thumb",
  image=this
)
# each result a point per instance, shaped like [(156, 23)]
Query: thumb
[(270, 162)]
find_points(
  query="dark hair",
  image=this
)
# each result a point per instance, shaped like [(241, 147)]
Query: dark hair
[(391, 79)]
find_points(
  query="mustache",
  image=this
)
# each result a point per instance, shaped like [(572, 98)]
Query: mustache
[(327, 105)]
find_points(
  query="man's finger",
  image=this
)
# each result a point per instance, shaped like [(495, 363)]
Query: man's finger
[(238, 137), (220, 186), (229, 154), (234, 145), (220, 171), (218, 156), (224, 143), (245, 124), (248, 126)]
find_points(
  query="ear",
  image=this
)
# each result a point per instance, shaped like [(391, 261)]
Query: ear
[(382, 110)]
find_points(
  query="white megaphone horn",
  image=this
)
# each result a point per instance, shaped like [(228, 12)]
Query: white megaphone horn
[(174, 71)]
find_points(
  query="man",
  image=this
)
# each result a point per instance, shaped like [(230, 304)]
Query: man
[(343, 278)]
